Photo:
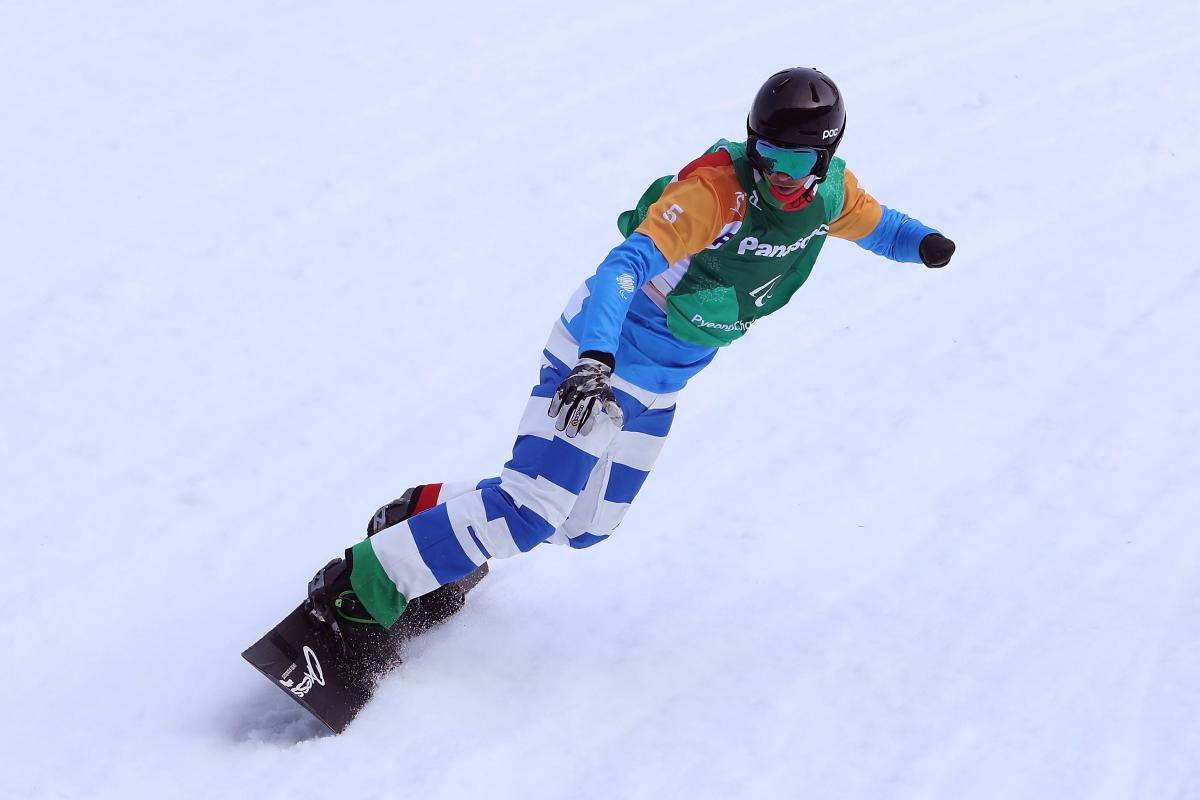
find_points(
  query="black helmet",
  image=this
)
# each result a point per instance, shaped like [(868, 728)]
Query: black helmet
[(798, 107)]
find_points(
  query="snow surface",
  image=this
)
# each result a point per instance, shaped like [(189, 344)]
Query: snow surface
[(926, 534)]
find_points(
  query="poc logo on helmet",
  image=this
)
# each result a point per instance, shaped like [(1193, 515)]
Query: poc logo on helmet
[(830, 134)]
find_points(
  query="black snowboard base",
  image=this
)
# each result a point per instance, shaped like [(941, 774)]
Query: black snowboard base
[(311, 667)]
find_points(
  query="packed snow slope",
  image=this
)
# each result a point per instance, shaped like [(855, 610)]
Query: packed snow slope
[(924, 535)]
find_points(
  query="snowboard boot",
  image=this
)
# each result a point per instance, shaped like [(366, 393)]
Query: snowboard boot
[(334, 608), (409, 504)]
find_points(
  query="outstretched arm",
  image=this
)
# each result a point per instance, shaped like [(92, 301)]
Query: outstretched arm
[(887, 232)]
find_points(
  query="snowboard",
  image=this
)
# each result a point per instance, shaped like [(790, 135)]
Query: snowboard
[(331, 681)]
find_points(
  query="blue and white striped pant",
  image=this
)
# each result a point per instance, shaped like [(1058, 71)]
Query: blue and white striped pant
[(554, 489)]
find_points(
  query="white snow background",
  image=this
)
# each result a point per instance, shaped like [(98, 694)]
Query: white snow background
[(925, 534)]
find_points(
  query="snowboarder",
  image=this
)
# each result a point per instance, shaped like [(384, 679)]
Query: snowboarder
[(707, 252)]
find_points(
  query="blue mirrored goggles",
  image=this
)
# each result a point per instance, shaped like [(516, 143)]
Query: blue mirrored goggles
[(795, 162)]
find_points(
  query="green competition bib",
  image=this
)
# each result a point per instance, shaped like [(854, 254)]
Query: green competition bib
[(748, 272)]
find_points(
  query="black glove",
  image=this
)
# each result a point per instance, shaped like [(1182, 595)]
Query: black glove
[(936, 250), (584, 393)]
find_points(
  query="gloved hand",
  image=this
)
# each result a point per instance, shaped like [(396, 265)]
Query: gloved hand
[(585, 393), (936, 250)]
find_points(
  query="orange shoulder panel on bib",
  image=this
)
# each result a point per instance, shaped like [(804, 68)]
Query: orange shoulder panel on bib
[(860, 212), (693, 210)]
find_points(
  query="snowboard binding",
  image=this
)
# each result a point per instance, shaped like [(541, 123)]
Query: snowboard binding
[(328, 654), (334, 609), (333, 606)]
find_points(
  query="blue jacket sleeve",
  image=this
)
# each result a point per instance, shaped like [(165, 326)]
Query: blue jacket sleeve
[(624, 272), (897, 236)]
